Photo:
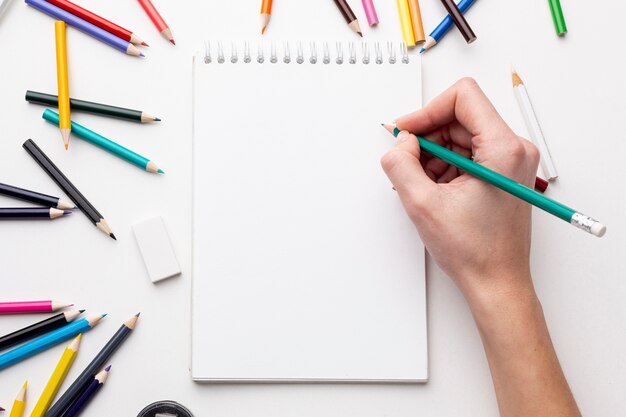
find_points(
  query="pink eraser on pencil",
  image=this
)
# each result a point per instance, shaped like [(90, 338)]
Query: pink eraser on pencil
[(156, 249)]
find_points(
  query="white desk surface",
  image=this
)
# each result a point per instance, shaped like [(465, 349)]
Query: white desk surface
[(576, 85)]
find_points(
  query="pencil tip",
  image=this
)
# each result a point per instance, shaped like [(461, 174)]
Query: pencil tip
[(142, 55), (66, 212), (81, 311), (67, 146), (156, 119), (112, 236), (173, 42), (104, 315), (25, 384), (360, 34), (138, 314), (108, 368), (422, 50), (263, 30), (160, 171), (145, 44)]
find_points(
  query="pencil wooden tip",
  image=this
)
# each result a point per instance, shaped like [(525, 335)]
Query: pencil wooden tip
[(132, 321), (389, 127)]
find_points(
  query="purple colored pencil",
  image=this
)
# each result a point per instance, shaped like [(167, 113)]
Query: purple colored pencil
[(83, 25), (87, 395)]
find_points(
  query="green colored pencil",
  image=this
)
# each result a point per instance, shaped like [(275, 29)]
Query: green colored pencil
[(557, 16), (106, 144), (520, 191)]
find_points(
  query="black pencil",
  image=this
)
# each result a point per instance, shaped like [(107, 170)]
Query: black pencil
[(459, 20), (72, 192), (35, 197), (31, 213), (93, 108), (80, 384), (39, 328)]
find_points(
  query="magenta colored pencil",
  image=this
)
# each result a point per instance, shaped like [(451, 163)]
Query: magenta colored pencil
[(370, 12), (21, 307)]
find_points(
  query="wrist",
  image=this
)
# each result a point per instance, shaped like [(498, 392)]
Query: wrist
[(502, 297)]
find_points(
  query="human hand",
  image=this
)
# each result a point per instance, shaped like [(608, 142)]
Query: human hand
[(478, 234)]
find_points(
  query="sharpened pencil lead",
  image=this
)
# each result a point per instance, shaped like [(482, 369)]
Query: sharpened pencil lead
[(66, 212), (113, 236), (145, 44), (360, 34), (81, 311), (422, 50), (160, 171), (156, 119), (108, 368), (104, 315), (142, 55), (173, 42)]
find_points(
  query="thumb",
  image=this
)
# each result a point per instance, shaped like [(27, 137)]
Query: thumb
[(402, 166)]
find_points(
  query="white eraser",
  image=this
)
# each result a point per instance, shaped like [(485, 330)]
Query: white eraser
[(156, 249)]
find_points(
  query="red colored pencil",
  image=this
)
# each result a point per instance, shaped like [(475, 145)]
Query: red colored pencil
[(157, 20), (99, 21)]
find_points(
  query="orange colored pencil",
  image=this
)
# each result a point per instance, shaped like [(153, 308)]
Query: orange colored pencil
[(266, 13), (416, 20)]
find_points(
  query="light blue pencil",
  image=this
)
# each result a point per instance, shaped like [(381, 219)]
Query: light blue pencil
[(47, 341), (106, 144)]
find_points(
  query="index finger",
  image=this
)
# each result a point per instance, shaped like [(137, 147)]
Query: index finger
[(464, 102)]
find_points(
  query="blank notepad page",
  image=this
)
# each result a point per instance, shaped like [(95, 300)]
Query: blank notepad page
[(305, 266)]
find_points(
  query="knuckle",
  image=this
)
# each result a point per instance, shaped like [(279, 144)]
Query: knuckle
[(467, 83), (532, 153), (517, 150)]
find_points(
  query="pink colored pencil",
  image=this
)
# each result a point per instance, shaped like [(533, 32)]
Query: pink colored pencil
[(21, 307), (370, 12)]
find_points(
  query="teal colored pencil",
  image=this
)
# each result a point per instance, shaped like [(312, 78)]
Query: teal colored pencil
[(520, 191), (106, 144), (47, 341)]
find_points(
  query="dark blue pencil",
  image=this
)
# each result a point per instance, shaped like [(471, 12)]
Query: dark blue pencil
[(90, 392), (443, 27)]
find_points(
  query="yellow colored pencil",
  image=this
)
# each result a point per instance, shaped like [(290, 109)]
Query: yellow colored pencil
[(63, 82), (56, 379), (20, 402), (405, 23)]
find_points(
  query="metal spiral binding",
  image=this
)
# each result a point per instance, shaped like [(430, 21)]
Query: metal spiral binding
[(381, 55)]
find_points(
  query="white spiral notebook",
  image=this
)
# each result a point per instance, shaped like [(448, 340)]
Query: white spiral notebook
[(305, 266)]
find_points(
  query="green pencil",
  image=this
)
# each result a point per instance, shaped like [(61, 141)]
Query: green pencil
[(106, 144), (520, 191), (557, 16)]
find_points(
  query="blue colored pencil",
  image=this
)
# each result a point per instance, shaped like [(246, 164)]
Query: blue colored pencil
[(44, 342), (443, 27), (87, 395), (85, 26)]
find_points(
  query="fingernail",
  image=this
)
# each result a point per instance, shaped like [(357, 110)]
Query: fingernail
[(403, 136)]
